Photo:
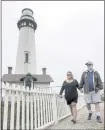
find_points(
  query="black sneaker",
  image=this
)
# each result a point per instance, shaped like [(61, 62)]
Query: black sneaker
[(99, 119), (73, 121), (90, 115)]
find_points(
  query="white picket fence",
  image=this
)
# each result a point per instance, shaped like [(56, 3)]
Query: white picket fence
[(31, 109)]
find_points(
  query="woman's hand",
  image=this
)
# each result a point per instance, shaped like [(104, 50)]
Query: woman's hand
[(60, 96)]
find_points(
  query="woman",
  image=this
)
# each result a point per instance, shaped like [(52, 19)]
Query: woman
[(70, 86)]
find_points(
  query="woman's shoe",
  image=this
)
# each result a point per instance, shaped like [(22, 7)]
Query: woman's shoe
[(73, 121), (89, 116)]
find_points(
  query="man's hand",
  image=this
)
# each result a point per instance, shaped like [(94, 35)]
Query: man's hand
[(96, 90)]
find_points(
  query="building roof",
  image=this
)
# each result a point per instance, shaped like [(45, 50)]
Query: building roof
[(17, 78)]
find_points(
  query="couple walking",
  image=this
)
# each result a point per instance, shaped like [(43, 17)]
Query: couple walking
[(91, 84)]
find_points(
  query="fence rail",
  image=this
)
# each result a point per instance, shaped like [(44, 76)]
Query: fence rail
[(31, 109)]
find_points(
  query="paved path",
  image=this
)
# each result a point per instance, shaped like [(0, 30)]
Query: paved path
[(82, 122)]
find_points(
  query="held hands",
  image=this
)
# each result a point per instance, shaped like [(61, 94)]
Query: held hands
[(81, 91)]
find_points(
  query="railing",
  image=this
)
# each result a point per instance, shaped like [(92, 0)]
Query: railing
[(31, 109)]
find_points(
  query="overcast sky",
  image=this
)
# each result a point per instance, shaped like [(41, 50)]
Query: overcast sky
[(68, 35)]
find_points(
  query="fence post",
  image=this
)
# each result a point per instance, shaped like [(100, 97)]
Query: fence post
[(5, 120), (54, 107)]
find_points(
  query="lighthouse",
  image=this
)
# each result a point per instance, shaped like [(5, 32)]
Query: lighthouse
[(26, 56), (25, 69)]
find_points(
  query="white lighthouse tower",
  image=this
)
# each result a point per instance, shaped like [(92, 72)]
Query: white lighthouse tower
[(25, 71), (26, 56)]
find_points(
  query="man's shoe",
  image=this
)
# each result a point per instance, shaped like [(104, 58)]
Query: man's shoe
[(90, 115), (99, 119), (73, 121)]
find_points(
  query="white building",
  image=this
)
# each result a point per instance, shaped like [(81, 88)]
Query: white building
[(25, 71)]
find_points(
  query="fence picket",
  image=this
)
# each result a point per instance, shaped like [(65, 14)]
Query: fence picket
[(50, 107), (44, 116), (41, 112), (38, 108), (18, 110), (27, 110), (23, 109), (35, 116), (12, 109), (31, 105), (46, 109)]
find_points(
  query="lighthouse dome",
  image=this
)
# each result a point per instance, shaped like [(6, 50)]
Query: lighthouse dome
[(27, 11), (27, 19)]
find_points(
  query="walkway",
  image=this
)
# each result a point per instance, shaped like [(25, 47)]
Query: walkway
[(82, 122)]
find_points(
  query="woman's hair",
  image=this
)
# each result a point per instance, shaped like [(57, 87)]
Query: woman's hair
[(70, 73)]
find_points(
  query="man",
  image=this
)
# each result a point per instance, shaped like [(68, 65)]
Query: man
[(92, 84)]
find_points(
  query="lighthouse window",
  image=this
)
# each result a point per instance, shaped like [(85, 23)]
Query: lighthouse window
[(26, 57)]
